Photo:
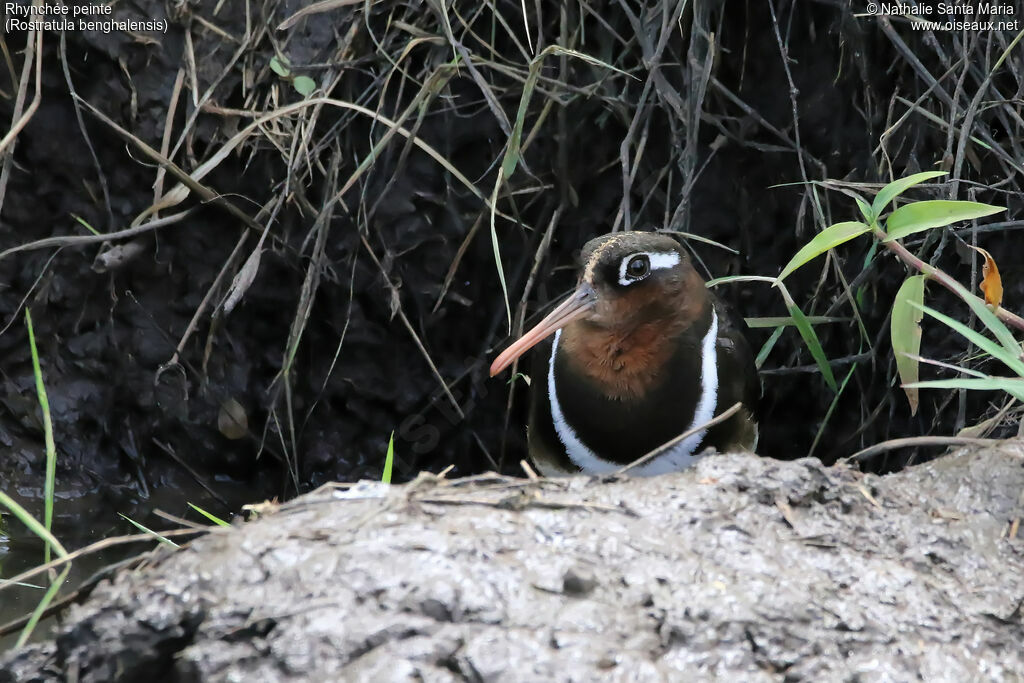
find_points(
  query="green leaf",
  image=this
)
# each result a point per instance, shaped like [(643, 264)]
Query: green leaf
[(51, 447), (830, 237), (85, 223), (1008, 357), (766, 349), (831, 409), (389, 460), (905, 331), (897, 187), (1011, 385), (37, 613), (921, 216), (784, 320), (146, 530), (512, 151), (810, 338), (496, 249), (865, 209), (304, 85), (33, 525), (714, 282), (990, 320), (210, 516), (279, 66)]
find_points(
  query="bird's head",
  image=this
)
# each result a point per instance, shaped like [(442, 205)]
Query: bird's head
[(627, 279)]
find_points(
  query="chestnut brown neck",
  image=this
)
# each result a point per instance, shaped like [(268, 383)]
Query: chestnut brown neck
[(624, 361)]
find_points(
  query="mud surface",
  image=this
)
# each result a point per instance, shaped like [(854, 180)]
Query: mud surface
[(742, 568)]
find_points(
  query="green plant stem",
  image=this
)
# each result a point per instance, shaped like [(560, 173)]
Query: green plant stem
[(939, 276), (51, 449), (40, 609)]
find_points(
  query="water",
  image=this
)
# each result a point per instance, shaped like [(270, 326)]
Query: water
[(83, 518)]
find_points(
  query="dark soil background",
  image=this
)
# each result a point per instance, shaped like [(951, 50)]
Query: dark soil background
[(378, 310)]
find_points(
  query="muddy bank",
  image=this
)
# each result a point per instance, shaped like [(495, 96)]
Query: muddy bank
[(742, 568)]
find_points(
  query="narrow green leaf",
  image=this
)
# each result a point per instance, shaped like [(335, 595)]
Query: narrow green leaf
[(905, 331), (512, 151), (830, 237), (1011, 385), (496, 248), (279, 67), (810, 338), (714, 282), (1007, 357), (897, 187), (766, 349), (37, 613), (784, 320), (872, 250), (937, 213), (865, 210), (210, 516), (304, 85), (990, 320), (146, 530), (33, 525), (86, 224), (51, 448), (389, 460), (831, 409)]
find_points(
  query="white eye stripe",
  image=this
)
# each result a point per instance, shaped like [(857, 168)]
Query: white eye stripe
[(658, 260)]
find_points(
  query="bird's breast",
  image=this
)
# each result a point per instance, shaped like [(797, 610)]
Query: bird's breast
[(620, 365)]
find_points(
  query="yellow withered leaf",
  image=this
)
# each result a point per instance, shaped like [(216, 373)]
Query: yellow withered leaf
[(991, 283)]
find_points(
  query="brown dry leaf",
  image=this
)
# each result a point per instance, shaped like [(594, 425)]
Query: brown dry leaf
[(991, 283)]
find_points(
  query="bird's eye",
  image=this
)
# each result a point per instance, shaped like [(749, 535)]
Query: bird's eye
[(638, 266)]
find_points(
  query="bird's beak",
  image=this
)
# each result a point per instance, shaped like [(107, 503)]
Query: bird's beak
[(576, 306)]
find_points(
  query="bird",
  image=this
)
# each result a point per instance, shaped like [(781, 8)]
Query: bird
[(638, 354)]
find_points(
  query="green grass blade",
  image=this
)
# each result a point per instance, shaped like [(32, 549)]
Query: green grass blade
[(147, 530), (21, 584), (831, 409), (810, 338), (86, 224), (213, 518), (830, 237), (766, 349), (389, 460), (51, 449), (897, 187), (496, 248), (32, 523), (513, 149), (920, 216), (714, 282), (1011, 385), (905, 332), (981, 341), (37, 613), (990, 320), (785, 320)]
